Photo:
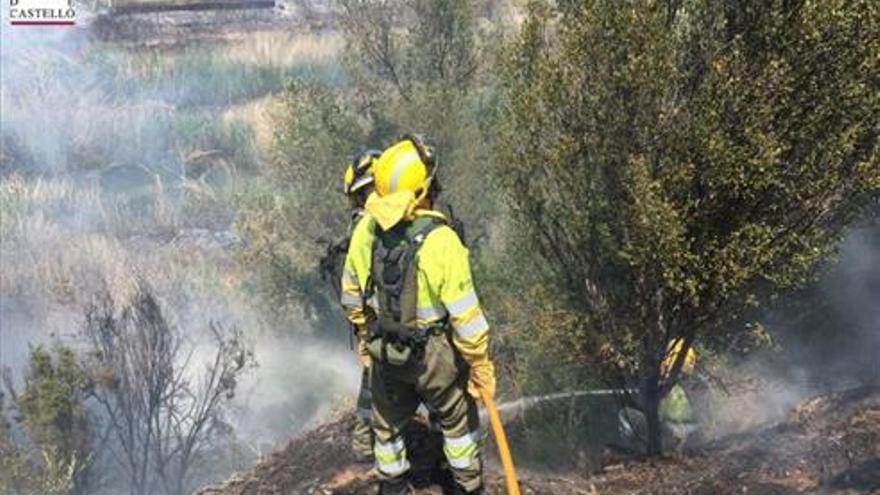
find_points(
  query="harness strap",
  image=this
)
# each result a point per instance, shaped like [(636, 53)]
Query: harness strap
[(394, 280)]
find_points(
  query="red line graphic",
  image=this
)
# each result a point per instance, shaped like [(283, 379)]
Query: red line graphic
[(42, 23)]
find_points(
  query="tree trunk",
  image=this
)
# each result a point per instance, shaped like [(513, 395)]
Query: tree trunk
[(179, 484), (138, 487), (651, 396)]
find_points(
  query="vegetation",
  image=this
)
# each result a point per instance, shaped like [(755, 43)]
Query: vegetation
[(50, 412), (164, 418), (101, 189), (290, 220), (424, 67), (677, 163), (414, 67)]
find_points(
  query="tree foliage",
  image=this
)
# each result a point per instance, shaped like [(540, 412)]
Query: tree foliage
[(411, 46), (677, 162), (56, 450), (414, 68), (424, 67)]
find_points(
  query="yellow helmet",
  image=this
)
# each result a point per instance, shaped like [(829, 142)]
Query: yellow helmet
[(403, 175), (359, 171), (407, 165), (672, 352)]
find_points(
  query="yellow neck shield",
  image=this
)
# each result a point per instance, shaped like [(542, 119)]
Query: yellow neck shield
[(390, 209)]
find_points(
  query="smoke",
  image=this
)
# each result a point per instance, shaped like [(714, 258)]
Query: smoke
[(299, 382), (48, 95), (831, 331), (757, 393), (853, 291), (97, 183), (829, 336)]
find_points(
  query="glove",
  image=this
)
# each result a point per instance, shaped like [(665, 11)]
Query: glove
[(363, 353), (481, 378)]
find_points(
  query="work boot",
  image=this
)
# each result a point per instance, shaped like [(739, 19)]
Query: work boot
[(396, 486)]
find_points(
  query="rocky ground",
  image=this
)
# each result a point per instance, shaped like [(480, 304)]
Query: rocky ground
[(827, 444)]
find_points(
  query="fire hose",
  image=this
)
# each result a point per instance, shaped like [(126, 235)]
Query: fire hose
[(492, 411), (501, 441)]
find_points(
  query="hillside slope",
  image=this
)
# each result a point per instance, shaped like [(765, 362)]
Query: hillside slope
[(828, 444)]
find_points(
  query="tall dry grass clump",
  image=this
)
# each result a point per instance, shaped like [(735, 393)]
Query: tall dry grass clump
[(283, 48), (54, 245)]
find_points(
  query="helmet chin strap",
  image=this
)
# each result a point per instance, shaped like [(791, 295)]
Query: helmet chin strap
[(417, 200)]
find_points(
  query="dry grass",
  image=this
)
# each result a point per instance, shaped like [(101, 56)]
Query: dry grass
[(280, 48), (275, 49), (60, 244), (63, 240), (259, 116), (113, 190), (150, 108), (241, 67), (49, 257)]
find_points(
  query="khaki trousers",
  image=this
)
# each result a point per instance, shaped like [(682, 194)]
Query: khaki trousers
[(437, 377), (362, 436)]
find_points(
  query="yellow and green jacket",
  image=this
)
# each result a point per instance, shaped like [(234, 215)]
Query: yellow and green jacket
[(676, 407), (445, 285)]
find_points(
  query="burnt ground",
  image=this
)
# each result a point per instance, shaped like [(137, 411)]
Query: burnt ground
[(827, 444)]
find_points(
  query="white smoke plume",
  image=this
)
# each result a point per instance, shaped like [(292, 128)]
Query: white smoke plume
[(92, 182)]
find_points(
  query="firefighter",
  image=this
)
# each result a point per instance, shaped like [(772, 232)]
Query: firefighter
[(407, 281), (677, 418), (357, 185)]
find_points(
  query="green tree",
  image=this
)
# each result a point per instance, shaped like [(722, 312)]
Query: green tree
[(675, 162), (408, 47), (55, 456), (15, 473)]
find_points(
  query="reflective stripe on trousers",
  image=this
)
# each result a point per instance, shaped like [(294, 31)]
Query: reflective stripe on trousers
[(349, 299), (391, 457), (461, 452)]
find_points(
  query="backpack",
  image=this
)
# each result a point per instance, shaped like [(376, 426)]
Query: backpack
[(395, 336), (332, 263)]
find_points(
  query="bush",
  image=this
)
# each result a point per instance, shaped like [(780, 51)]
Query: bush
[(58, 451)]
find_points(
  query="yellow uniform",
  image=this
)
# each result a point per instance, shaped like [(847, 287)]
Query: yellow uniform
[(445, 287), (447, 309)]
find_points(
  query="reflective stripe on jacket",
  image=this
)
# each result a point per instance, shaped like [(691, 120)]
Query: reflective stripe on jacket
[(445, 287)]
